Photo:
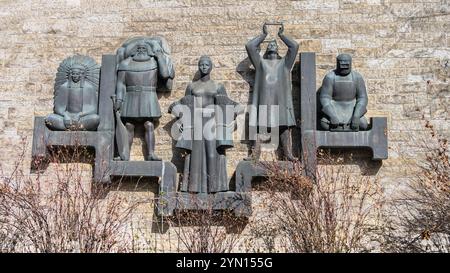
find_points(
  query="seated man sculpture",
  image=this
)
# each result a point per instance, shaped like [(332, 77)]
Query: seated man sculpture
[(75, 96), (343, 98)]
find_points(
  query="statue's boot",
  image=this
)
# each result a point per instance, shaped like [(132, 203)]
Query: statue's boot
[(286, 144), (130, 131), (150, 141), (325, 123)]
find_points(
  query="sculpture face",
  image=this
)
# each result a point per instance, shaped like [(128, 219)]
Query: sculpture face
[(76, 74), (205, 66), (272, 47), (141, 53), (344, 64)]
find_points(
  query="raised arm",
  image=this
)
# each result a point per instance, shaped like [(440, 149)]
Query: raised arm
[(326, 95), (162, 65), (292, 46), (253, 45)]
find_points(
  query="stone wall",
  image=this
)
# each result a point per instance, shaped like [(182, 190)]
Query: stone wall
[(401, 47)]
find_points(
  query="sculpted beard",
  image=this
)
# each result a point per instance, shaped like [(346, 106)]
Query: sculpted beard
[(141, 57)]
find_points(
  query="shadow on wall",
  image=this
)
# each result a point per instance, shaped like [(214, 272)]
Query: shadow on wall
[(247, 72), (359, 157), (64, 155), (177, 154), (142, 185)]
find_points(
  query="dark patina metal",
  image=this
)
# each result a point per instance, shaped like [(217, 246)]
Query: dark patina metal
[(272, 92)]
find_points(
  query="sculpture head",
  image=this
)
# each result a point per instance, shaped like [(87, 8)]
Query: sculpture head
[(344, 64), (271, 50), (272, 47), (76, 73), (205, 65), (141, 52)]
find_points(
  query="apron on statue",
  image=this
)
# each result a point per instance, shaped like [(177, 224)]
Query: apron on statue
[(344, 108)]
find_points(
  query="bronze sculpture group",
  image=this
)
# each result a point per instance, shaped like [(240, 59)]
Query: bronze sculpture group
[(206, 114)]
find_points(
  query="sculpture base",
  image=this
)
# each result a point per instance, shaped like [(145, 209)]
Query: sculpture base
[(44, 138), (238, 202), (165, 171), (104, 166), (374, 139), (247, 170)]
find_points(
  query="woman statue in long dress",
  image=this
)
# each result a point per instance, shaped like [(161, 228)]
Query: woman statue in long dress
[(207, 117)]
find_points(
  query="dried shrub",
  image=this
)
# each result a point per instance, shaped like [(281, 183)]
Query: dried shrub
[(61, 213), (205, 231), (333, 213), (419, 220)]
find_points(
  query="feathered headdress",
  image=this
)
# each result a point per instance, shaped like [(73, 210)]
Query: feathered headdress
[(91, 71)]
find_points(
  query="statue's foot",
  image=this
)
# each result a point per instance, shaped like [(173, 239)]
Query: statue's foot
[(118, 158), (153, 157)]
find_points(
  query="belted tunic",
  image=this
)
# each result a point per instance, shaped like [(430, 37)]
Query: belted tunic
[(140, 101)]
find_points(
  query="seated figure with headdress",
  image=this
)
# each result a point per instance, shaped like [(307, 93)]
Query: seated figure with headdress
[(75, 96)]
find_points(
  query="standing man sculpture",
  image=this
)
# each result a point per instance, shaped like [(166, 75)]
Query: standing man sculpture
[(343, 98), (272, 91), (144, 65)]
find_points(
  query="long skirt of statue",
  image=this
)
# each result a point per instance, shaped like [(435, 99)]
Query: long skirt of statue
[(205, 165)]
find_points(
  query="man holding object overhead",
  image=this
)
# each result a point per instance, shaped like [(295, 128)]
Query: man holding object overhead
[(272, 92)]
